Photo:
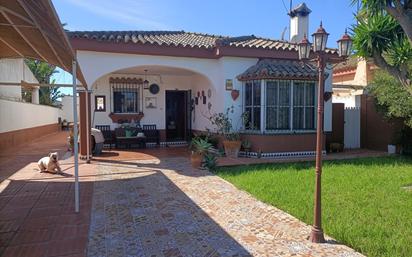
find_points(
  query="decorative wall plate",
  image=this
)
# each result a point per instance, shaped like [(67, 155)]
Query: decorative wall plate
[(235, 94), (154, 89)]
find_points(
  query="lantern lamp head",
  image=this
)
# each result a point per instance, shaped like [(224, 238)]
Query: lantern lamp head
[(345, 45), (320, 38), (304, 48), (145, 82)]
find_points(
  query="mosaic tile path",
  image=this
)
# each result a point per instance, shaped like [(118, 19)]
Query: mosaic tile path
[(169, 209)]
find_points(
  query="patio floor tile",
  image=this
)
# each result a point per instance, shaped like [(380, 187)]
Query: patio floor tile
[(140, 203), (167, 208), (32, 250)]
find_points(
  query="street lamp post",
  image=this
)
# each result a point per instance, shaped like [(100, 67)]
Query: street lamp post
[(320, 38)]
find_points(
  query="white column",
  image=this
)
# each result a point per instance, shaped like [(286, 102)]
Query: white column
[(35, 95), (75, 139), (87, 127)]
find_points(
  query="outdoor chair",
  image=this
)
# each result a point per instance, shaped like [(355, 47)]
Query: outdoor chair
[(107, 134), (151, 133)]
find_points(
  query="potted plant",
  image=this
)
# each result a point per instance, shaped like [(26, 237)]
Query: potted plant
[(246, 145), (200, 147), (224, 127)]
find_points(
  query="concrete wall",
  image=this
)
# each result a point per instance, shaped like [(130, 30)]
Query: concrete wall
[(19, 115), (66, 112), (211, 74), (14, 71), (195, 82), (350, 101), (376, 131)]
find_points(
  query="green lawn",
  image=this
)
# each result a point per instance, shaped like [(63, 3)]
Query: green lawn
[(364, 205)]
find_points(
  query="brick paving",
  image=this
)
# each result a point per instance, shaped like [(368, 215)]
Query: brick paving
[(149, 203), (37, 215), (166, 208)]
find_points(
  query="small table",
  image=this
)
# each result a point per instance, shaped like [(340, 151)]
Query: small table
[(128, 141)]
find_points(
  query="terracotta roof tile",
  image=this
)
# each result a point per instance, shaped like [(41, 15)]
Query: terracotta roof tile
[(186, 39), (279, 69)]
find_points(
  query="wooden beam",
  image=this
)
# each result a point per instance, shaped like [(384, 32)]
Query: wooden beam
[(23, 36), (11, 47), (43, 34), (35, 84), (18, 25), (39, 17), (4, 9)]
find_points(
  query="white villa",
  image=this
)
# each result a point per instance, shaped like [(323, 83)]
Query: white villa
[(175, 79)]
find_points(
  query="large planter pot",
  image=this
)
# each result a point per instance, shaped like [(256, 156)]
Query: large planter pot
[(232, 148), (196, 160)]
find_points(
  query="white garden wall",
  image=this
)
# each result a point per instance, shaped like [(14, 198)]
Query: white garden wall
[(67, 108), (14, 71), (19, 115)]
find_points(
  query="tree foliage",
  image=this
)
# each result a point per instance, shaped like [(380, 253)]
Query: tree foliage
[(43, 72), (393, 100), (384, 33)]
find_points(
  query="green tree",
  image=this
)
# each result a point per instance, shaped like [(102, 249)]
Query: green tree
[(392, 99), (384, 33), (43, 73)]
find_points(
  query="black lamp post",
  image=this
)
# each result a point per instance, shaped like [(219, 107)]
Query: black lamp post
[(320, 38)]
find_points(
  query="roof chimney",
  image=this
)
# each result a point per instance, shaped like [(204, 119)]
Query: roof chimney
[(299, 22)]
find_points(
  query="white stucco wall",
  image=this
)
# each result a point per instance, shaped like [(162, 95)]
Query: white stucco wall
[(18, 115), (327, 125), (350, 101), (156, 116), (66, 112), (231, 67), (14, 71), (208, 73), (97, 64)]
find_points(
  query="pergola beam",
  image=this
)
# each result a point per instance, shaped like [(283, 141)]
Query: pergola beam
[(36, 84), (11, 47), (4, 10), (43, 34), (23, 36)]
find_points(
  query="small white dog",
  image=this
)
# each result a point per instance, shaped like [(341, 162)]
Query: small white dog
[(50, 163)]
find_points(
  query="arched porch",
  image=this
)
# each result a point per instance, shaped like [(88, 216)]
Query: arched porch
[(176, 100)]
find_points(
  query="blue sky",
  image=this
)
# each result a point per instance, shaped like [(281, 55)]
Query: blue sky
[(265, 18)]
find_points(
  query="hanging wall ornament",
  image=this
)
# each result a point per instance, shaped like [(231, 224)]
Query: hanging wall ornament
[(327, 96), (235, 94)]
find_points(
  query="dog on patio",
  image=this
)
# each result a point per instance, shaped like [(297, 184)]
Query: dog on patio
[(50, 163)]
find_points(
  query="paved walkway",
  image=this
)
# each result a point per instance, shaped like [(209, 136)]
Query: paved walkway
[(147, 208), (139, 204), (37, 217)]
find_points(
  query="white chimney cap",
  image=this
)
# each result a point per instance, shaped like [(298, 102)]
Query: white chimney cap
[(301, 10)]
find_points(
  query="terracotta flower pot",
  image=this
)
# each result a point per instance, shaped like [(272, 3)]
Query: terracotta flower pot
[(196, 160), (232, 148)]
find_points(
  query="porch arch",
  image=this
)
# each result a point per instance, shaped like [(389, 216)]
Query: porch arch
[(95, 65)]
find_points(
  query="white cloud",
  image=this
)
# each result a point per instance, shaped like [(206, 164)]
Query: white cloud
[(137, 14)]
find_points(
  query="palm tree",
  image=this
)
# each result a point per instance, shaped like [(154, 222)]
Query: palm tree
[(43, 73)]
